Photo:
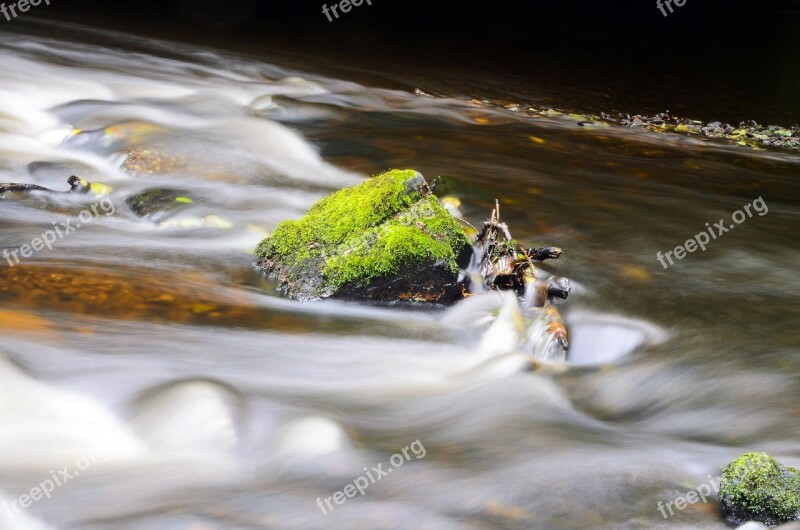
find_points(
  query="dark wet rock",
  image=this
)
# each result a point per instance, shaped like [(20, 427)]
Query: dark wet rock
[(755, 487), (158, 202), (416, 282)]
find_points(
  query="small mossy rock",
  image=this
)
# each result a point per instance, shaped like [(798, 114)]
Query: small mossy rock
[(756, 487), (386, 240)]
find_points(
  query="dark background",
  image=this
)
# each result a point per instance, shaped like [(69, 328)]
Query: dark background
[(732, 60)]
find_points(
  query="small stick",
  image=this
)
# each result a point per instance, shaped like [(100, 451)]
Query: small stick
[(11, 186), (466, 223), (504, 228), (76, 185)]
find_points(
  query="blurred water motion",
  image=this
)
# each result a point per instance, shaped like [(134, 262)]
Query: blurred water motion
[(220, 405)]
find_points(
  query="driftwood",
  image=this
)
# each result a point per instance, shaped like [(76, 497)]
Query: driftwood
[(505, 266), (76, 185)]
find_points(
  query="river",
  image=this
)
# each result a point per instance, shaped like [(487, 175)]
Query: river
[(147, 360)]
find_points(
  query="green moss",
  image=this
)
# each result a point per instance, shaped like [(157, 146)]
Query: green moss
[(755, 486), (364, 232), (426, 232), (335, 218)]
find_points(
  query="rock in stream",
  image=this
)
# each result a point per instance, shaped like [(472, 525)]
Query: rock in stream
[(388, 239)]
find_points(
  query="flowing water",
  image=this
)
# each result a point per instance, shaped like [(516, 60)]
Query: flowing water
[(147, 360)]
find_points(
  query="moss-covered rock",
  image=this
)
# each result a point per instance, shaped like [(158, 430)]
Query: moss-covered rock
[(756, 487), (387, 239)]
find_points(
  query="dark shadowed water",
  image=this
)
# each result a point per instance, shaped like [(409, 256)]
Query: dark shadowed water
[(146, 356)]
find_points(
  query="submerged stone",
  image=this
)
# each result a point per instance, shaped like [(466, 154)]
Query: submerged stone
[(387, 239), (158, 202), (756, 487)]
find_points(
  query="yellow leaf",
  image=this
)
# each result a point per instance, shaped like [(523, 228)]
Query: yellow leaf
[(635, 272), (100, 189), (203, 308)]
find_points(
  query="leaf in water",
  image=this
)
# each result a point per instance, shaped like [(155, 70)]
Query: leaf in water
[(634, 272), (100, 189), (203, 308)]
